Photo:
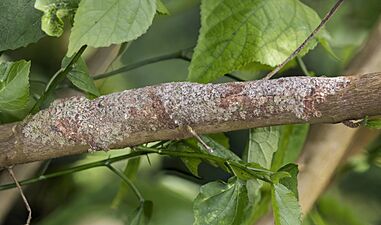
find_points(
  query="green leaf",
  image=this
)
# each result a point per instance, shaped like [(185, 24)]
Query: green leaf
[(285, 206), (263, 142), (188, 145), (237, 32), (324, 39), (14, 85), (221, 139), (372, 123), (262, 207), (222, 203), (142, 214), (80, 76), (291, 182), (19, 24), (161, 8), (218, 149), (291, 142), (130, 171), (218, 142), (100, 23), (55, 11), (249, 172)]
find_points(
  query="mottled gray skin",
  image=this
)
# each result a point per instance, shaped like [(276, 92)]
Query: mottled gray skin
[(113, 118)]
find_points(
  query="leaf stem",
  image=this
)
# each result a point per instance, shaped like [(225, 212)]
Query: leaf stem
[(140, 151), (182, 54), (330, 13), (57, 78), (10, 171), (303, 66), (73, 170), (127, 181), (175, 55)]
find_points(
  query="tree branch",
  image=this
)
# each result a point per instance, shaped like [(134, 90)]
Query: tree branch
[(161, 112)]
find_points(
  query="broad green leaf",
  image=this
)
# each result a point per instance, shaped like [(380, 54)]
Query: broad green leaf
[(237, 32), (222, 203), (14, 85), (19, 24), (142, 214), (100, 23), (130, 171), (80, 76), (291, 142), (55, 11), (263, 142), (161, 8), (286, 208)]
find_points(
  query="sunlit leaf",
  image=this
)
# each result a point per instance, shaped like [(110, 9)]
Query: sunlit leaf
[(100, 23), (237, 32), (161, 8)]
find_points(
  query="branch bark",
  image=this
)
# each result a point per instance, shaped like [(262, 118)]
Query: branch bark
[(162, 112)]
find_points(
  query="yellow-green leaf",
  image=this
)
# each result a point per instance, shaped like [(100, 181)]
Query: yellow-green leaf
[(237, 32)]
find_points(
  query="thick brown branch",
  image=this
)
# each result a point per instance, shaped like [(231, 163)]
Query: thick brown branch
[(162, 112)]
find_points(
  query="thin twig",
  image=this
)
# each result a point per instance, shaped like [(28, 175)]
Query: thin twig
[(303, 66), (22, 195), (190, 129), (175, 55), (57, 78), (314, 32), (127, 181), (182, 54)]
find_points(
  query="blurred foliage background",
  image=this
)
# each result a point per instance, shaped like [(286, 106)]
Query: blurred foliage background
[(353, 197)]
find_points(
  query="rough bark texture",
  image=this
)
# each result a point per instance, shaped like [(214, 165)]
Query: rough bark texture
[(161, 112)]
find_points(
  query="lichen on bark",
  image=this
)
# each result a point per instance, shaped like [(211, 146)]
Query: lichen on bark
[(111, 119)]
